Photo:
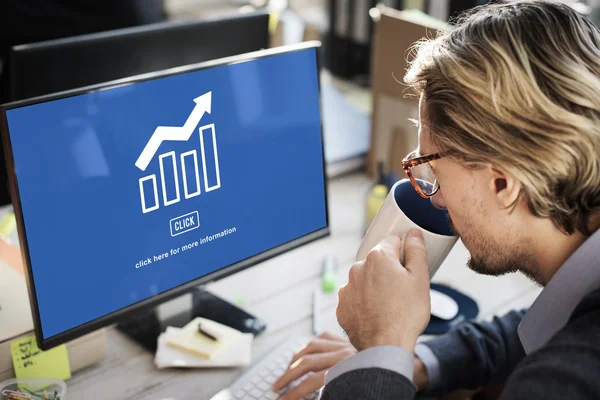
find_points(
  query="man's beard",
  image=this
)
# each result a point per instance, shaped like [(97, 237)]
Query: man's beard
[(497, 263)]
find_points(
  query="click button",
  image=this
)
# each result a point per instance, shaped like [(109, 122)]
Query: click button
[(184, 223)]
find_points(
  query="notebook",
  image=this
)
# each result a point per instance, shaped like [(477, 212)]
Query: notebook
[(190, 340), (237, 354)]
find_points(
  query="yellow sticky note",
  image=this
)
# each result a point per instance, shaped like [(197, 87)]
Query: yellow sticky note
[(8, 224), (190, 340), (273, 21), (31, 362)]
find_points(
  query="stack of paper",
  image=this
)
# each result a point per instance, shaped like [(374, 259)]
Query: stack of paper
[(186, 347)]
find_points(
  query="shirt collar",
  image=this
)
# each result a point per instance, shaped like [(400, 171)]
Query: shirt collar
[(576, 278)]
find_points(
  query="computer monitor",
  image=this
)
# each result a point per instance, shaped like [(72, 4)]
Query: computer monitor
[(57, 65), (130, 193)]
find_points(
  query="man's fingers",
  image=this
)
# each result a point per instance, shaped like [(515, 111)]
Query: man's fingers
[(391, 245), (304, 365), (319, 345), (311, 384), (415, 254)]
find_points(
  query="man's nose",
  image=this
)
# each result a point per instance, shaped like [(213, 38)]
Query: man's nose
[(438, 200)]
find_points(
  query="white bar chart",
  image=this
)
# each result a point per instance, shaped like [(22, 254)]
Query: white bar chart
[(187, 162)]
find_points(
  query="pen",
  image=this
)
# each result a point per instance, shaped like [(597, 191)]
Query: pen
[(315, 312), (205, 333)]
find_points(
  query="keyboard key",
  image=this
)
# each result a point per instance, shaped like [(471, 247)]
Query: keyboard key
[(264, 386), (264, 373), (239, 394), (272, 395), (248, 387), (271, 379), (257, 394), (256, 379)]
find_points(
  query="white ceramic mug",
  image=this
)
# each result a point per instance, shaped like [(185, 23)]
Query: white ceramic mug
[(403, 210)]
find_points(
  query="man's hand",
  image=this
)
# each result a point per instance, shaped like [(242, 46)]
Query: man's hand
[(317, 357), (385, 303)]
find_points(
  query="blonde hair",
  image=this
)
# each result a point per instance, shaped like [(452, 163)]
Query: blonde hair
[(517, 86)]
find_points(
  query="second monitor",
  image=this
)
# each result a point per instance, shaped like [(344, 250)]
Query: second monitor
[(57, 65)]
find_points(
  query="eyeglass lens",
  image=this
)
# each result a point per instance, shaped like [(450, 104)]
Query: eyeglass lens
[(425, 178)]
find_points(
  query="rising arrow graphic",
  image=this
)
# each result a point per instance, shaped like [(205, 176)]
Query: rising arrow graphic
[(174, 133)]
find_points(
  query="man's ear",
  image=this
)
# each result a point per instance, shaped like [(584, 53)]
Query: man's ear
[(504, 186)]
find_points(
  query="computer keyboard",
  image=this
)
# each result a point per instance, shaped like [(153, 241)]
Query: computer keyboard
[(257, 382)]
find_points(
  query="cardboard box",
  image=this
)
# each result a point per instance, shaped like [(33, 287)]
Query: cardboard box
[(394, 34)]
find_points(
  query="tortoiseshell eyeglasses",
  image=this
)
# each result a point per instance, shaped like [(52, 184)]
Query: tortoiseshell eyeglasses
[(421, 174)]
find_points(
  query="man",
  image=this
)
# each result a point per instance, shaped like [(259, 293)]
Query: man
[(510, 125)]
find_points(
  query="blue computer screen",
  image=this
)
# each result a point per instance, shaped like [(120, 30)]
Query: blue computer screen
[(131, 191)]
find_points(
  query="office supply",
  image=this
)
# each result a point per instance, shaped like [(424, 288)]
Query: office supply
[(122, 53), (236, 355), (189, 339), (467, 309), (152, 236), (442, 305), (33, 389), (257, 382), (8, 225), (316, 311), (204, 331), (240, 301), (31, 362), (83, 352), (329, 274)]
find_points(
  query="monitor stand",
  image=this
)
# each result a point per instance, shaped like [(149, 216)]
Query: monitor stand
[(145, 326)]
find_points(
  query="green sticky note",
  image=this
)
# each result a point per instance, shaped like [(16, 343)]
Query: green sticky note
[(31, 362)]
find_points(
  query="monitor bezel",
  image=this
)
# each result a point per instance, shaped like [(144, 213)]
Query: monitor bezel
[(153, 301)]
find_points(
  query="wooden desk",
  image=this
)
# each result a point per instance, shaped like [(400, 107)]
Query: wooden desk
[(279, 291)]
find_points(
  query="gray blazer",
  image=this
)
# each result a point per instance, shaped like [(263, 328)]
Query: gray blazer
[(479, 354)]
